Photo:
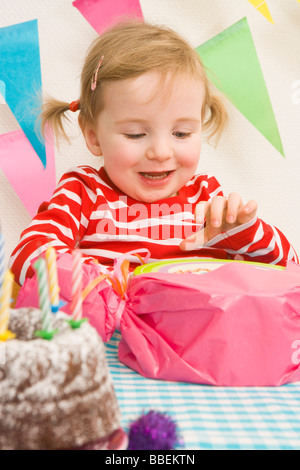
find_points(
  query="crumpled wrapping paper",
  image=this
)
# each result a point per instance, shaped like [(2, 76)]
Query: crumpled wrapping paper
[(235, 326)]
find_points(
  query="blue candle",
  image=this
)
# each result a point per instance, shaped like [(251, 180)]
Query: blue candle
[(43, 290)]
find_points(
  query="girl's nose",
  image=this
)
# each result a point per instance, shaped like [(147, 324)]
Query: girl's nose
[(159, 150)]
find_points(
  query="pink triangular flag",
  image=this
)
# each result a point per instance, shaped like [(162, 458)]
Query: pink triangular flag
[(103, 13), (31, 181)]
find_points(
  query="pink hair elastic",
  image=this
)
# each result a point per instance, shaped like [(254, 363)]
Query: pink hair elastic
[(95, 74)]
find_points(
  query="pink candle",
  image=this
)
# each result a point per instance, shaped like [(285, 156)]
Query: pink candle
[(76, 304)]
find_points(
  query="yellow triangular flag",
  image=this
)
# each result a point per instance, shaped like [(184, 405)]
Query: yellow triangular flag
[(262, 7)]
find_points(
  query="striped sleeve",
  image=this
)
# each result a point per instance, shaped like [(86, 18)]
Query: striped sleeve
[(61, 222), (256, 241)]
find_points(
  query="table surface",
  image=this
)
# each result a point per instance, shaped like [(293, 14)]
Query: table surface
[(210, 417)]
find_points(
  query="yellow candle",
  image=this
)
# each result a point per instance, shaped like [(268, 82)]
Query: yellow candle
[(52, 277), (5, 300)]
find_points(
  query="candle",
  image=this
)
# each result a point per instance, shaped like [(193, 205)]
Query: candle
[(2, 264), (5, 300), (43, 289), (76, 304), (52, 278)]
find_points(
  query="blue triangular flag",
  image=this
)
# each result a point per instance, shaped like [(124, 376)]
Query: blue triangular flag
[(20, 70)]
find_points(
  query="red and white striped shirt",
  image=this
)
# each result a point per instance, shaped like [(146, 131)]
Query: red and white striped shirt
[(88, 211)]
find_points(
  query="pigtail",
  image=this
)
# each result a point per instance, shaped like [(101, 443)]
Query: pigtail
[(215, 117), (51, 118)]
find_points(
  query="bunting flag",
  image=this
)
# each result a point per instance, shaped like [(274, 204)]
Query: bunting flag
[(20, 78), (233, 66), (262, 7), (103, 13), (31, 181)]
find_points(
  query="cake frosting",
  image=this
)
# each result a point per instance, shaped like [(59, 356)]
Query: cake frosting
[(58, 393)]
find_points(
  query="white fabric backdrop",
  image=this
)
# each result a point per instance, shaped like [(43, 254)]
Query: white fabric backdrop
[(244, 160)]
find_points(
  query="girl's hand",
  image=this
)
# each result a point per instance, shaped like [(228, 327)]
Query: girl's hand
[(220, 214)]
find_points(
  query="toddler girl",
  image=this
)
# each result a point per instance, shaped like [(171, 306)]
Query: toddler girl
[(145, 102)]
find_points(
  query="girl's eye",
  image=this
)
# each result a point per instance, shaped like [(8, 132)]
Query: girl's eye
[(182, 135), (134, 136)]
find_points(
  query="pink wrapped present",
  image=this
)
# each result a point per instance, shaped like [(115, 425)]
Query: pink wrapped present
[(237, 325)]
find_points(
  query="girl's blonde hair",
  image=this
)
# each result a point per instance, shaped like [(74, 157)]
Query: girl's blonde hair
[(131, 49)]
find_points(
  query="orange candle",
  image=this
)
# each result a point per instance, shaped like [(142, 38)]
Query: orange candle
[(52, 278)]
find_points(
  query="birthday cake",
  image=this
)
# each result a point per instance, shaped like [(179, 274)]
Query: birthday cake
[(55, 394)]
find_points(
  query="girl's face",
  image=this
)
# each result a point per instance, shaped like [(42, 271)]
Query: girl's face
[(149, 133)]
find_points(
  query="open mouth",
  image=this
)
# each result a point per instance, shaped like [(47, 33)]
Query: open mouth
[(156, 175)]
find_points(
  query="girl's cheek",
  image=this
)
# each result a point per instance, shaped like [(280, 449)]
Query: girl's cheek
[(191, 158)]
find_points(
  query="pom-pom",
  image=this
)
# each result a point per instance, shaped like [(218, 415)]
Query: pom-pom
[(153, 431)]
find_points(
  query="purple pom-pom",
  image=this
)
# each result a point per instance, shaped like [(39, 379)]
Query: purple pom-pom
[(153, 431)]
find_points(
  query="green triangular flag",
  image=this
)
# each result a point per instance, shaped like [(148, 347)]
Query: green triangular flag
[(233, 66)]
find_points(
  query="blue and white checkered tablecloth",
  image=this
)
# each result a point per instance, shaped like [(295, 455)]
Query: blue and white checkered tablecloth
[(211, 417)]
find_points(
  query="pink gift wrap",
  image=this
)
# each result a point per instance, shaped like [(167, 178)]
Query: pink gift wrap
[(235, 326)]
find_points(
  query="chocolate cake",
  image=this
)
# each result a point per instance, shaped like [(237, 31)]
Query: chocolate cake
[(58, 393)]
